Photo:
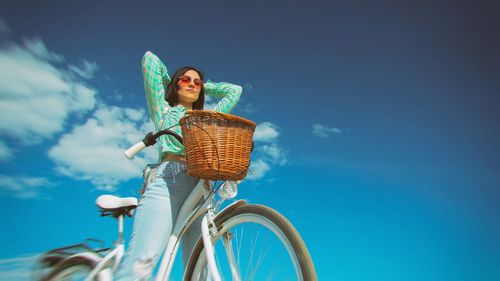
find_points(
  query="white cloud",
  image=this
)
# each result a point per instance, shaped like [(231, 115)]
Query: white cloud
[(210, 103), (36, 95), (273, 153), (323, 131), (37, 48), (4, 27), (266, 132), (258, 169), (94, 151), (23, 186), (86, 70), (5, 151), (268, 152), (18, 268), (134, 114)]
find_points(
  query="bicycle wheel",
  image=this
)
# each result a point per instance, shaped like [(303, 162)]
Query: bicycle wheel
[(254, 242), (75, 268)]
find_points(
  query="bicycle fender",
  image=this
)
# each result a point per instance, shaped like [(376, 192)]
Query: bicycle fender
[(230, 208), (105, 274)]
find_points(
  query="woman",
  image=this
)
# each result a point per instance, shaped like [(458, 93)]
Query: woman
[(170, 186)]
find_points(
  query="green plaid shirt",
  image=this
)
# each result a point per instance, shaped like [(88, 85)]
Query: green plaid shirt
[(163, 115)]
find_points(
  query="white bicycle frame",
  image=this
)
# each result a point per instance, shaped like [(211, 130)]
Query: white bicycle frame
[(189, 212)]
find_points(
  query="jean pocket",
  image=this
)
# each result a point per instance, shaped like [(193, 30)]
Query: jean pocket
[(148, 174)]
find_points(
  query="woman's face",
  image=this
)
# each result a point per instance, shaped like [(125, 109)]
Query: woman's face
[(189, 88)]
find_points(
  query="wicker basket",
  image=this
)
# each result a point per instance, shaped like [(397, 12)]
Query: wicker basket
[(218, 145)]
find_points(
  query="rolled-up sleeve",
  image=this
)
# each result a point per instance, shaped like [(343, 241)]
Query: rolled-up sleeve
[(155, 74), (229, 94)]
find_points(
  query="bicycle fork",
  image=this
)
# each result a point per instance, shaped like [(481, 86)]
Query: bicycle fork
[(228, 245), (209, 231)]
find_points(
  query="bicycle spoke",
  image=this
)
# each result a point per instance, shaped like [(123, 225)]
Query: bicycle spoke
[(240, 241), (228, 245), (250, 262), (253, 255), (259, 261), (256, 243)]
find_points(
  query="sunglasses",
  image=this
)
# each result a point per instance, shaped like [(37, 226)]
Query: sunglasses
[(185, 80)]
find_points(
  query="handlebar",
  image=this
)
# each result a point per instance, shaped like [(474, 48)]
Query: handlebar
[(149, 139)]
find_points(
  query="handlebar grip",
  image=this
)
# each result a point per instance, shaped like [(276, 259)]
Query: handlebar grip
[(133, 150), (149, 139)]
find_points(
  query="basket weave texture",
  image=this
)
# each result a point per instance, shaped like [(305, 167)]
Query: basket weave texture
[(218, 145)]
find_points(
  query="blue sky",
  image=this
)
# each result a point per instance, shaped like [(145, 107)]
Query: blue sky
[(378, 127)]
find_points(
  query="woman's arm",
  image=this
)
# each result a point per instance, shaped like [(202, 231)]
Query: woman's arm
[(229, 93), (155, 74)]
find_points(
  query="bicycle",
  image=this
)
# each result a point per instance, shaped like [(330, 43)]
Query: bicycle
[(220, 229)]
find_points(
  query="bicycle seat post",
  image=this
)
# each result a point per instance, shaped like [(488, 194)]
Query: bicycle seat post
[(119, 243), (120, 230)]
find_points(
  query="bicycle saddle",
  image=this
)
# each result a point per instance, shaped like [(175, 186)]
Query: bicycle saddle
[(116, 206)]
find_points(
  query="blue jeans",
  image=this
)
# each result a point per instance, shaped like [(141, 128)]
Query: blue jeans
[(154, 218)]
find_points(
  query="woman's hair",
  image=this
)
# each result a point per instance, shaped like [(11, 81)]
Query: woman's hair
[(171, 88)]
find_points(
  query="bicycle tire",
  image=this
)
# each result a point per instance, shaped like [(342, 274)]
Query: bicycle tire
[(68, 268), (254, 214)]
